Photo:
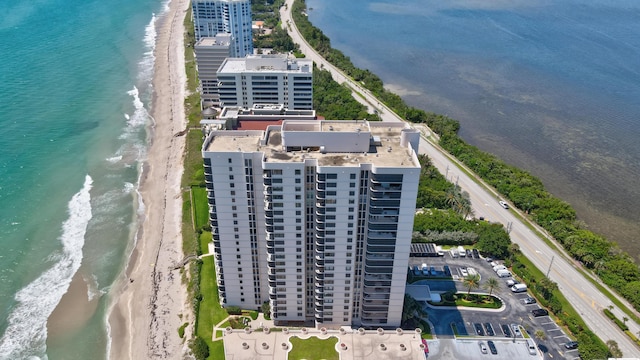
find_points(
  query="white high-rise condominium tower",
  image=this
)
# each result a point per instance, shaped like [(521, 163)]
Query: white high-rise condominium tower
[(314, 217), (266, 79), (211, 17)]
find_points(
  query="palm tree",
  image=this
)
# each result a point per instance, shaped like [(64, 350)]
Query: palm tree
[(471, 282), (614, 349), (412, 309), (540, 334), (491, 284)]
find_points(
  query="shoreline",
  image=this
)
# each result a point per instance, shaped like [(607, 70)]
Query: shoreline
[(149, 297)]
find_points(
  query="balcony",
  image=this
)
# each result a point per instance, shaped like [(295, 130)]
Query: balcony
[(375, 292), (382, 235), (378, 269), (383, 219), (383, 187), (376, 203)]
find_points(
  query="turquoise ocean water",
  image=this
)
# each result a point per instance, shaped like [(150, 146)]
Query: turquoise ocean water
[(74, 94), (549, 86)]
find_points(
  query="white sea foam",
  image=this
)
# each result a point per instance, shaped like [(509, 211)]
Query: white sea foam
[(93, 289), (114, 159), (145, 66), (26, 333), (128, 187)]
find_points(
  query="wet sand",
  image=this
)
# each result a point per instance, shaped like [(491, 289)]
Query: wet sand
[(149, 299)]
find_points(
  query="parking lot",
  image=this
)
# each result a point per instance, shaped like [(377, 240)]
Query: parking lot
[(473, 325)]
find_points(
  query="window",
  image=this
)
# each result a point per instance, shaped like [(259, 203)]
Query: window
[(352, 176), (229, 160)]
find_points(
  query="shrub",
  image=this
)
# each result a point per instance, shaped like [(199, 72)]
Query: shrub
[(234, 310), (181, 330), (199, 348)]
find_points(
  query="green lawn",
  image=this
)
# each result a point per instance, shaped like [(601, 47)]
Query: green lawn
[(210, 312), (313, 349), (200, 207), (475, 301)]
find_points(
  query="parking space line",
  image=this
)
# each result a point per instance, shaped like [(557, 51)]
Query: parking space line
[(556, 329), (559, 336), (551, 322)]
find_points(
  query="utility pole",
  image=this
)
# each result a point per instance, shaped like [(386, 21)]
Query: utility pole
[(551, 263)]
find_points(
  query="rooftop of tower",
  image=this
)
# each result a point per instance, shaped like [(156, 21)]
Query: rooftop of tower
[(331, 143)]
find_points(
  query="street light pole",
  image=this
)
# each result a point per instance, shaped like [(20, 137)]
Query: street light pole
[(550, 263)]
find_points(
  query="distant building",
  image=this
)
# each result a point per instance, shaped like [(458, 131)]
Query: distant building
[(211, 17), (266, 79), (210, 54), (314, 217)]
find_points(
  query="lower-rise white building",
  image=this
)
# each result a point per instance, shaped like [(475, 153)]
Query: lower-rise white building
[(314, 217), (266, 79)]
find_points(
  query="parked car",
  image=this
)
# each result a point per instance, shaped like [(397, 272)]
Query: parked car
[(512, 282), (529, 300), (483, 347), (489, 329), (499, 267), (531, 346), (469, 253), (447, 270), (503, 273), (425, 269), (571, 345), (506, 330), (489, 259), (503, 204), (476, 254), (492, 347), (463, 272), (426, 346), (516, 329), (517, 288), (539, 312), (417, 271), (479, 329)]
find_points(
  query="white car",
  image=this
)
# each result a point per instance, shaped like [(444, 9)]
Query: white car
[(483, 347), (463, 272), (472, 271), (504, 204)]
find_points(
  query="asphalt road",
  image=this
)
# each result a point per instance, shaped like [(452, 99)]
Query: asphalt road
[(584, 297)]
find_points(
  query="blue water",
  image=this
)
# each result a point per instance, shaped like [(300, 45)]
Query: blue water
[(74, 93), (549, 86)]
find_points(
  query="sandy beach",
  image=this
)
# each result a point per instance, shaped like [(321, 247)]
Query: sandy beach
[(149, 300)]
